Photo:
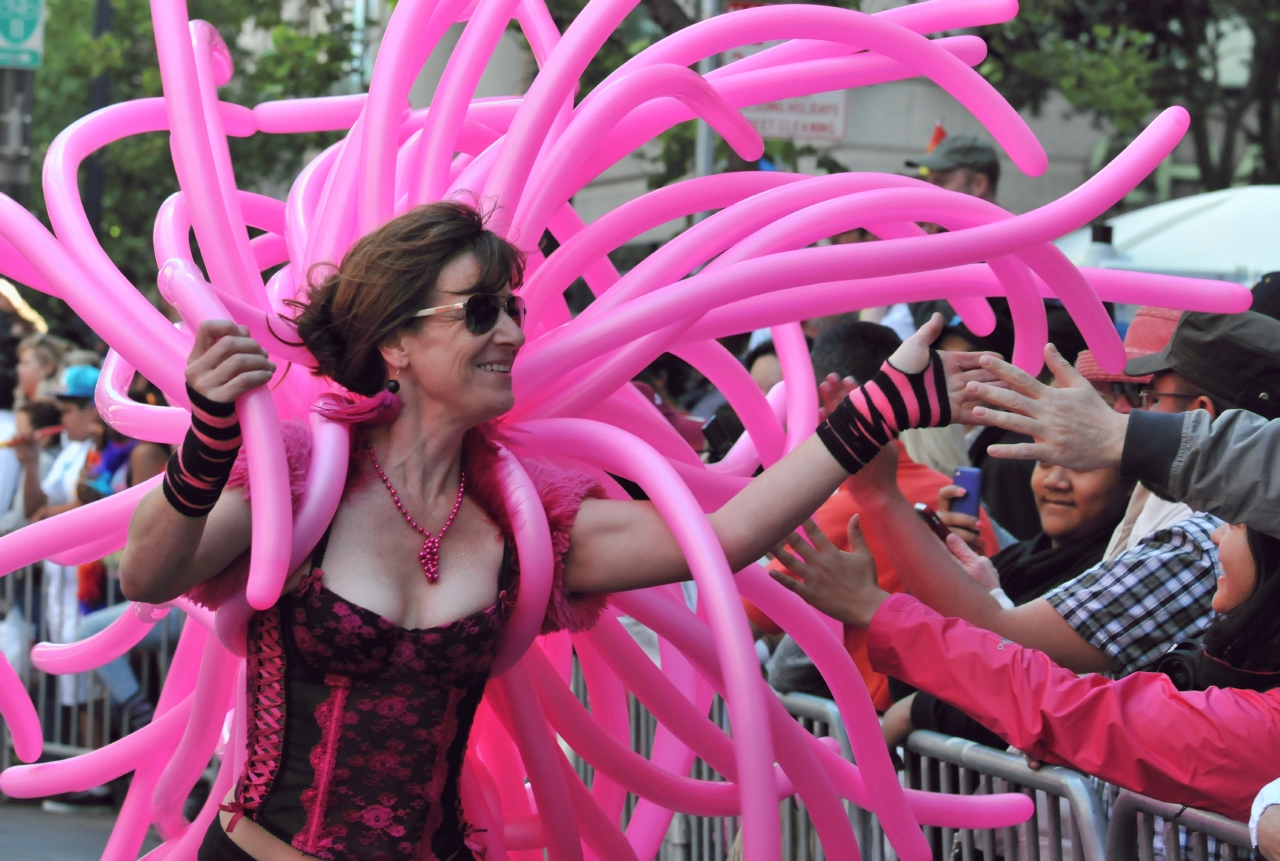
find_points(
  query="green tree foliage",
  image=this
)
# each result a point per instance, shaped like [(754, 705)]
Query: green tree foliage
[(1121, 59), (280, 59)]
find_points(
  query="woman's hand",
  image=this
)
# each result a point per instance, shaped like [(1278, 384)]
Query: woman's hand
[(225, 362), (978, 567), (961, 369), (842, 585), (963, 525)]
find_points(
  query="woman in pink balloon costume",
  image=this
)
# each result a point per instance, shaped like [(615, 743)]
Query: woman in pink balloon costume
[(364, 679)]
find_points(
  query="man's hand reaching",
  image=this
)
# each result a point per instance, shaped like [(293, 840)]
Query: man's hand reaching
[(1071, 424)]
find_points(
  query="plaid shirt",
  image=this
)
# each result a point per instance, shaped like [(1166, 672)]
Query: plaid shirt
[(1139, 605)]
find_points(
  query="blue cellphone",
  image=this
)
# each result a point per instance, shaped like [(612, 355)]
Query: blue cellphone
[(970, 478)]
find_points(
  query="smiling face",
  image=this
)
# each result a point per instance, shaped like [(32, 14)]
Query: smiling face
[(1239, 572), (443, 364), (1076, 503)]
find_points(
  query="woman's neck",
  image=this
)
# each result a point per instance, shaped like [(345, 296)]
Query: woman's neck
[(423, 451)]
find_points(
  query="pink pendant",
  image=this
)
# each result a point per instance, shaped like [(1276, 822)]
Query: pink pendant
[(429, 555)]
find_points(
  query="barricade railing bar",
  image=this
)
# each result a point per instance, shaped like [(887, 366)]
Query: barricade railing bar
[(1185, 831), (76, 712), (954, 765)]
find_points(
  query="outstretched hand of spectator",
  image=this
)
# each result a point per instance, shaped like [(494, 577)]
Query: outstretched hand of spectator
[(879, 478), (977, 567), (963, 525), (842, 585), (1071, 424), (831, 392)]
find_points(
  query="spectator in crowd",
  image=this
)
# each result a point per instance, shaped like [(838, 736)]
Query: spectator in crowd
[(39, 358), (1205, 745), (10, 468), (842, 355), (963, 163), (1148, 334), (1124, 613), (1005, 484), (56, 494), (1224, 465), (1078, 511), (129, 701), (36, 443), (763, 365)]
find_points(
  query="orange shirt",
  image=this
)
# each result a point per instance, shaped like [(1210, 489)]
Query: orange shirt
[(918, 483)]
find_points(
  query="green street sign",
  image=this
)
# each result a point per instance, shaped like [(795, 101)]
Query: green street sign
[(21, 33)]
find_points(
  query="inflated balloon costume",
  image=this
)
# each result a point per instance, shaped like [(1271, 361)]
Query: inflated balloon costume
[(526, 157)]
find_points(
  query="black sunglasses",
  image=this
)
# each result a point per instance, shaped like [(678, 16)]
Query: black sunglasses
[(482, 311)]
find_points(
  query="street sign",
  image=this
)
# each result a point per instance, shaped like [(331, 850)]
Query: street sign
[(817, 118), (21, 33)]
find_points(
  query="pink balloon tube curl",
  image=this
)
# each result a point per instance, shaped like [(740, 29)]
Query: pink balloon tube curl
[(748, 266)]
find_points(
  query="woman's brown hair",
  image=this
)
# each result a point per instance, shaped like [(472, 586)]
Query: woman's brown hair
[(387, 277)]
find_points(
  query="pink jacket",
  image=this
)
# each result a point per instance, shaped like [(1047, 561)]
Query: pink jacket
[(1210, 749)]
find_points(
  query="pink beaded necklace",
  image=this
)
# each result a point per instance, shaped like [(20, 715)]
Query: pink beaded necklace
[(429, 556)]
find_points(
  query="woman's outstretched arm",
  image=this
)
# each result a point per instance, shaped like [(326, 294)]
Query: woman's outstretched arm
[(168, 552), (618, 545)]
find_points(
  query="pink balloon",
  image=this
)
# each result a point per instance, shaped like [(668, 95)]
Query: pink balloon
[(539, 753), (747, 266), (19, 714), (106, 645), (98, 766), (533, 545)]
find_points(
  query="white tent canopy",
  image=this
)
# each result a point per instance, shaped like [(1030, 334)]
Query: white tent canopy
[(1232, 235)]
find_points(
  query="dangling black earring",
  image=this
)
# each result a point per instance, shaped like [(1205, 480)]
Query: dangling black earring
[(393, 385)]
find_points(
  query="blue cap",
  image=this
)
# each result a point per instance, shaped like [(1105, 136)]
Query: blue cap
[(78, 381)]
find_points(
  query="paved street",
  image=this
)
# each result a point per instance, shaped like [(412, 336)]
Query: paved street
[(27, 833)]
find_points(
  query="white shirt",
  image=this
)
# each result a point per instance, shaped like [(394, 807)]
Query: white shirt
[(59, 485), (10, 468), (1267, 796), (1145, 515)]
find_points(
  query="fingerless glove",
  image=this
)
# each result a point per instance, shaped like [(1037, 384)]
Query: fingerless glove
[(199, 469), (874, 413)]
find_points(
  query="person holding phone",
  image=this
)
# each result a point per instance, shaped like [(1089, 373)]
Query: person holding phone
[(1078, 511)]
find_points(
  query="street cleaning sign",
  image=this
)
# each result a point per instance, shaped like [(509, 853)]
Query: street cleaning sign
[(818, 118), (21, 33)]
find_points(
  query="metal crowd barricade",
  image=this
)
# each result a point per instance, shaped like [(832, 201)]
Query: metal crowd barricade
[(1185, 831), (90, 722), (951, 765), (955, 765)]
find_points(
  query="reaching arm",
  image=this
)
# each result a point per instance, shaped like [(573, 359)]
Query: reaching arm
[(1212, 749), (168, 552), (626, 545), (932, 574)]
